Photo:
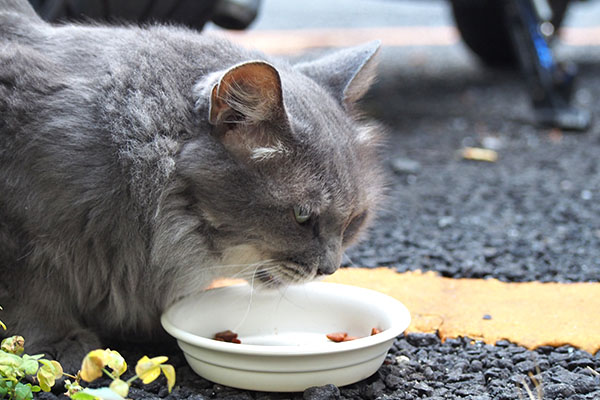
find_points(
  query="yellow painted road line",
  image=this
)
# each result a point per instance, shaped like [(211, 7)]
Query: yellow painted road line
[(531, 314), (293, 41)]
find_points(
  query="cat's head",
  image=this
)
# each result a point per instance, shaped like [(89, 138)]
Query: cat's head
[(288, 177)]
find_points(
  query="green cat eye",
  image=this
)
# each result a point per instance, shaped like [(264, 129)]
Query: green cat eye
[(301, 215)]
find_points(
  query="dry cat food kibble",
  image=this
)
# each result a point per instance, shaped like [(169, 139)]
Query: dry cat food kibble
[(227, 336), (232, 337), (343, 336)]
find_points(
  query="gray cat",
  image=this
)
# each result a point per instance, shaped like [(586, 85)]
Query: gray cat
[(138, 164)]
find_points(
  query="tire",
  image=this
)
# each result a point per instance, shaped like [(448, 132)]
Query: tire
[(482, 26), (192, 13)]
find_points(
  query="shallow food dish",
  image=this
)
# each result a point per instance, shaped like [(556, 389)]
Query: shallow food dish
[(283, 332)]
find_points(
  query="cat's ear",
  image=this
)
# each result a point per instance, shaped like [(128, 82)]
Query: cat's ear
[(347, 74), (247, 93)]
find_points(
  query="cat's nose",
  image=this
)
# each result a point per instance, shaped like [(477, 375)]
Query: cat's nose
[(330, 261), (326, 269)]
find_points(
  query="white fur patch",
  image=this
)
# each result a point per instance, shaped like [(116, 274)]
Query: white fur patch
[(365, 134), (265, 153), (243, 254)]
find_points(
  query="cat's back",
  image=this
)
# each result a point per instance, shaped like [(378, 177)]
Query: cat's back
[(103, 75), (115, 99), (87, 52)]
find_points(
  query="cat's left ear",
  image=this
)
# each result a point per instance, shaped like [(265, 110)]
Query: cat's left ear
[(347, 74), (249, 92)]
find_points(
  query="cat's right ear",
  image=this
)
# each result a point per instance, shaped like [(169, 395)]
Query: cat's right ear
[(247, 93), (347, 73)]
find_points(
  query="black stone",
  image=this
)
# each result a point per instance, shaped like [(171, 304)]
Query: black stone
[(327, 392)]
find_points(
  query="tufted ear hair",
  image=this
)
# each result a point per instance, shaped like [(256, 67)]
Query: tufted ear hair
[(245, 106), (247, 93), (347, 74)]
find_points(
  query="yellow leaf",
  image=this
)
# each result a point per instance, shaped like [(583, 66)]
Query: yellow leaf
[(159, 360), (150, 374), (116, 362), (147, 369), (91, 367), (58, 370), (169, 372), (46, 378), (119, 387)]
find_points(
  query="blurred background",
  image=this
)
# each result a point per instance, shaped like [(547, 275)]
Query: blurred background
[(541, 41)]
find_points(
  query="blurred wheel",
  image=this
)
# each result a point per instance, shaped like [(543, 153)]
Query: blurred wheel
[(193, 13), (482, 25)]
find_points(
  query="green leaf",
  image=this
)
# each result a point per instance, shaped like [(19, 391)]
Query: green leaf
[(84, 396), (46, 378), (102, 393), (10, 360), (8, 372), (30, 367), (34, 357), (23, 392)]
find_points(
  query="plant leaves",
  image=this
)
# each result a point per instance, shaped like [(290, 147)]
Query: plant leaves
[(97, 394), (2, 323), (52, 366), (29, 367), (84, 396), (72, 387), (23, 392), (8, 372), (48, 373), (91, 367), (169, 372), (148, 369), (120, 387), (46, 379), (34, 357), (116, 362), (13, 345)]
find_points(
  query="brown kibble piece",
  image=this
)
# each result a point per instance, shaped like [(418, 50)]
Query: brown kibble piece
[(337, 336), (375, 331), (349, 338), (227, 336)]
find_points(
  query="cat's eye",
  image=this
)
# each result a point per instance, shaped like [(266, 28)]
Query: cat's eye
[(301, 215)]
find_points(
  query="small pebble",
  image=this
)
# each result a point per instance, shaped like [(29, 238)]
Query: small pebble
[(405, 166)]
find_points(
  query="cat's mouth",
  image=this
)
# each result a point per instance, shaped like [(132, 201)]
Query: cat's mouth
[(284, 273)]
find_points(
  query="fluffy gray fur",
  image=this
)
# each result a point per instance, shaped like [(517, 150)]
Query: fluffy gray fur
[(138, 164)]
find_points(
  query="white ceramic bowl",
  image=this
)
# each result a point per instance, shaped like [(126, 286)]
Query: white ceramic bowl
[(284, 345)]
